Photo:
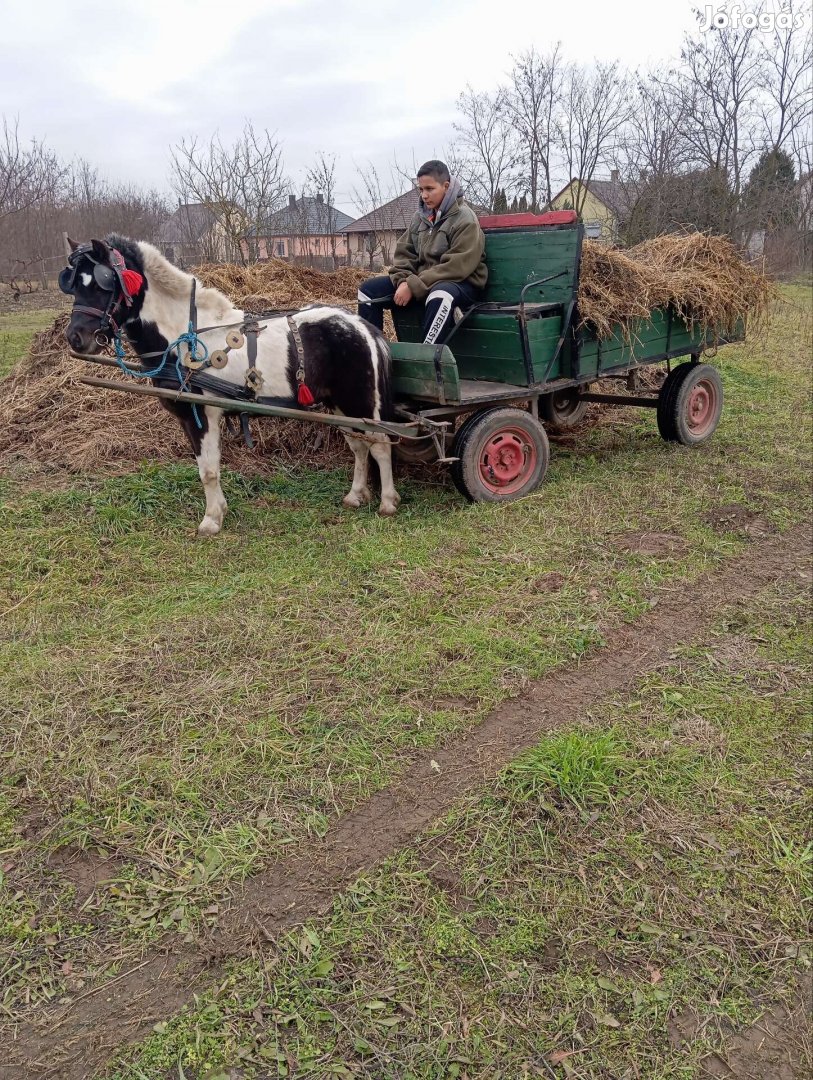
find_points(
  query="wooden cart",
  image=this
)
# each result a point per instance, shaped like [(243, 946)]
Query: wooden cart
[(517, 362)]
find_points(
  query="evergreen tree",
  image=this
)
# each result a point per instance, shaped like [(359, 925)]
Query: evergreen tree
[(514, 205), (523, 204), (769, 198), (500, 202)]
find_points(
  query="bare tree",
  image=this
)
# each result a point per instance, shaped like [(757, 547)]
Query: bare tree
[(28, 174), (370, 198), (721, 75), (30, 179), (651, 152), (240, 184), (531, 101), (320, 184), (787, 61), (485, 152), (595, 109)]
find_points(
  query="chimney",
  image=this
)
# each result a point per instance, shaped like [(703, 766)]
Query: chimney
[(614, 176), (292, 201), (320, 198)]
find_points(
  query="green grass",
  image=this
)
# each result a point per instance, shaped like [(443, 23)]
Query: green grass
[(17, 330), (192, 708), (573, 766), (624, 881)]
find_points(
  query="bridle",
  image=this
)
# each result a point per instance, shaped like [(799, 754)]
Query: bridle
[(122, 285)]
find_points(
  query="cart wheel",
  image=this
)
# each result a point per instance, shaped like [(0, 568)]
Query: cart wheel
[(502, 455), (690, 403), (415, 452), (562, 409)]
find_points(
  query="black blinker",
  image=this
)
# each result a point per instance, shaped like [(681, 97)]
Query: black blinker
[(67, 277), (103, 275)]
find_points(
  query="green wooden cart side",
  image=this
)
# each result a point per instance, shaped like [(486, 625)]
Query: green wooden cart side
[(496, 342), (425, 373), (525, 336)]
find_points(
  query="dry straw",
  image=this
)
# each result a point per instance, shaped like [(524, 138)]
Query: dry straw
[(704, 278), (48, 417)]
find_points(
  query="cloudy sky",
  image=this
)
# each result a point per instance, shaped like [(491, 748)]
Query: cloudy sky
[(118, 84)]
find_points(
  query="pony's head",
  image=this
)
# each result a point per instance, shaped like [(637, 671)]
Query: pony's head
[(106, 294)]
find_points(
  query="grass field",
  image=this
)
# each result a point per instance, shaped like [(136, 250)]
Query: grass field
[(16, 331), (623, 895), (177, 715)]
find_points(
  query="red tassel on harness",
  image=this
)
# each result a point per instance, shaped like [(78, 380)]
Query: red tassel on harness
[(132, 281), (304, 396)]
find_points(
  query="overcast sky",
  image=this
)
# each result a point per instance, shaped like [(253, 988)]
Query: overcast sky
[(117, 84)]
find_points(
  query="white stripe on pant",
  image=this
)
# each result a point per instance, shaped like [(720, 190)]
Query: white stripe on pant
[(443, 312)]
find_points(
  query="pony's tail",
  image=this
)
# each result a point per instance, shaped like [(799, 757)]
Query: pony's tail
[(385, 379)]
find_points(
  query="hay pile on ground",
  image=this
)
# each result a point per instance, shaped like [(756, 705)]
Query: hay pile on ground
[(703, 277), (278, 284), (47, 416)]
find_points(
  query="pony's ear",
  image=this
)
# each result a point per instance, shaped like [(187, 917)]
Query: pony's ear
[(72, 244), (100, 250)]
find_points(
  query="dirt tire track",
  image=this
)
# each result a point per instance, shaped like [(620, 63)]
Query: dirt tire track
[(74, 1042)]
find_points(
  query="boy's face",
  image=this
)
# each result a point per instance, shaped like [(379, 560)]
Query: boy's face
[(432, 191)]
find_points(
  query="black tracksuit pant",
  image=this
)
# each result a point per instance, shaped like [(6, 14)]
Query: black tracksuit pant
[(445, 302)]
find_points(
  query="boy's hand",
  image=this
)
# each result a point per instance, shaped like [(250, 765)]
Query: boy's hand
[(402, 296)]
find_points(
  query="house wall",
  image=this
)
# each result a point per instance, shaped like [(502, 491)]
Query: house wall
[(381, 241), (599, 220), (301, 247)]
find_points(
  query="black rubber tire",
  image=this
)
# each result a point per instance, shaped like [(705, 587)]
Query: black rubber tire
[(471, 444), (562, 409), (416, 453), (690, 403)]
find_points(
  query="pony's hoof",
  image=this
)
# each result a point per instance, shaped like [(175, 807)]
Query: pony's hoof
[(353, 501), (387, 509), (208, 527)]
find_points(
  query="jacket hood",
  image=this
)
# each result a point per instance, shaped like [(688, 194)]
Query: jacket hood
[(453, 193)]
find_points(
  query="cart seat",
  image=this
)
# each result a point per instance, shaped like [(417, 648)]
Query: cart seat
[(533, 267)]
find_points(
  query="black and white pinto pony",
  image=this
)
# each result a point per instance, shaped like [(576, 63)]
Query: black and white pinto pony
[(129, 285)]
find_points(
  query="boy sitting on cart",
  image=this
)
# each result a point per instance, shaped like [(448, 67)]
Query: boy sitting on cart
[(439, 260)]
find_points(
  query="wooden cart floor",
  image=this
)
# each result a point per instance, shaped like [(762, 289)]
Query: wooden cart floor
[(481, 390)]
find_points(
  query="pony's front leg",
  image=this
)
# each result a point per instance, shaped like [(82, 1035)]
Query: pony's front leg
[(208, 459), (359, 494), (381, 449)]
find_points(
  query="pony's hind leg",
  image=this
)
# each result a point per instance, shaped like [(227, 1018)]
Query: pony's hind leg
[(381, 449), (208, 459), (359, 494)]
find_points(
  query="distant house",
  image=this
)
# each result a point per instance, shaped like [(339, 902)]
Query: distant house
[(371, 240), (192, 234), (604, 205), (306, 230)]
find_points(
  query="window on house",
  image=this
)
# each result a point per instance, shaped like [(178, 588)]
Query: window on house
[(592, 229), (281, 249)]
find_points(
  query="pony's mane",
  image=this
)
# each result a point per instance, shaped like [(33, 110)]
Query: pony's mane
[(167, 278)]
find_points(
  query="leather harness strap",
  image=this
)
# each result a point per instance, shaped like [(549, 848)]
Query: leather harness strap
[(254, 380), (300, 351)]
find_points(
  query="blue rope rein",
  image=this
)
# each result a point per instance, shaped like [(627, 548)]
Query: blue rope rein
[(196, 350)]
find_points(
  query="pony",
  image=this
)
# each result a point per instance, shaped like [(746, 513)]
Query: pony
[(319, 353)]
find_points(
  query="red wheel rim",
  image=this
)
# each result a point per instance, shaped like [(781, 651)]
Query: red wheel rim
[(507, 460), (701, 408)]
